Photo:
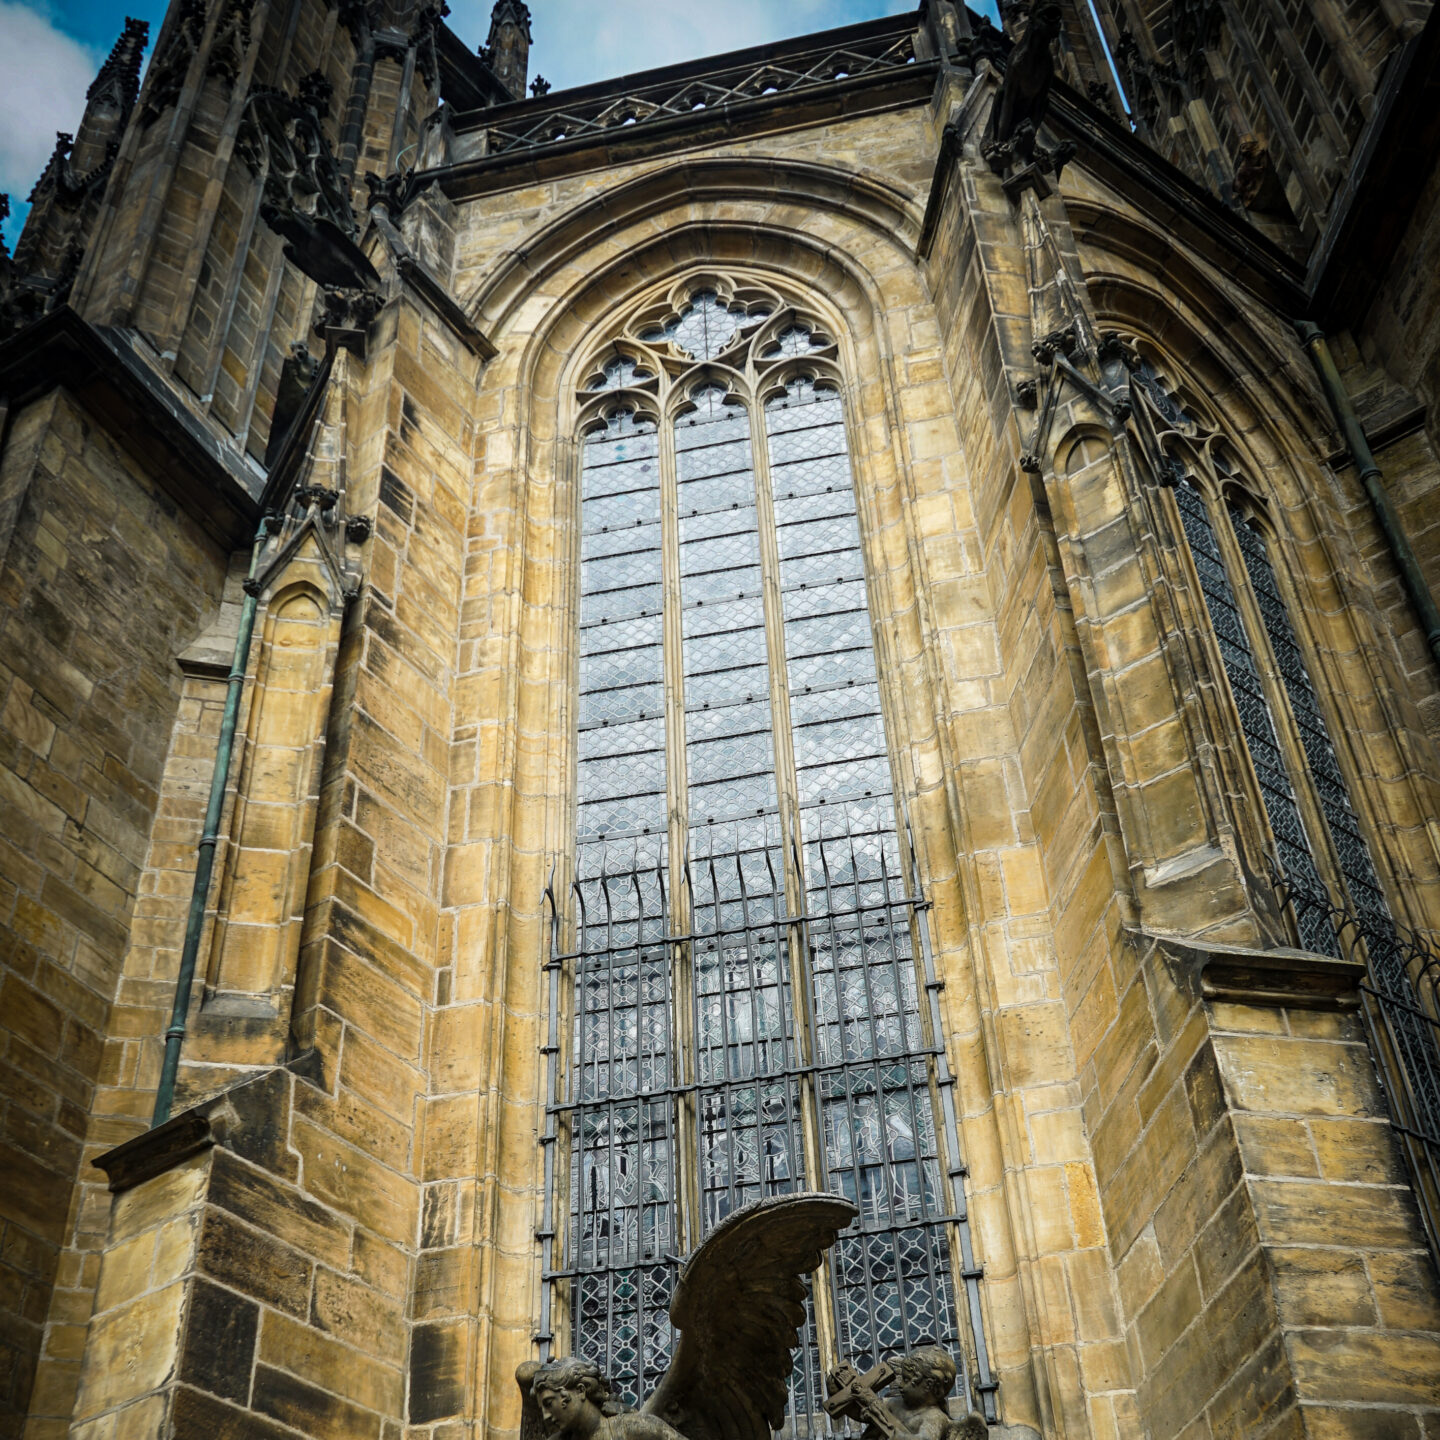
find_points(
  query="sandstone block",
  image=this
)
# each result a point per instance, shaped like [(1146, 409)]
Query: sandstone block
[(220, 1342), (254, 1263), (131, 1350)]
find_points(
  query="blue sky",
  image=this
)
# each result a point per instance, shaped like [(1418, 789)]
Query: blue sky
[(50, 50)]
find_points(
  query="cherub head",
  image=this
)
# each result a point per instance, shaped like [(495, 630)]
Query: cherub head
[(573, 1396), (925, 1376)]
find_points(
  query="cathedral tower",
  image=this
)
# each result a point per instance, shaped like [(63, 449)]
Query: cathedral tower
[(65, 203)]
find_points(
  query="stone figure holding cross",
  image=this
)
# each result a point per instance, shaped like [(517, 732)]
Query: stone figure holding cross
[(919, 1384)]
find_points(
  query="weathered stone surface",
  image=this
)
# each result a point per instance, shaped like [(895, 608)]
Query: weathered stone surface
[(1191, 1210), (255, 1264), (279, 1210), (219, 1342), (130, 1350)]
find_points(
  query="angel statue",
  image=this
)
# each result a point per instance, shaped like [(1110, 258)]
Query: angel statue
[(737, 1310), (920, 1383)]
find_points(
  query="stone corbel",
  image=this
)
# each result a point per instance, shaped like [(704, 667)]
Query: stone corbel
[(1283, 977), (153, 1152)]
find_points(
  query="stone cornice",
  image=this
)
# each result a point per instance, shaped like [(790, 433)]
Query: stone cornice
[(1283, 978), (133, 403), (764, 115), (664, 130), (153, 1152), (248, 1117)]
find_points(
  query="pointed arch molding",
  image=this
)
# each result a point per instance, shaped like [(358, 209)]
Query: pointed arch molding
[(842, 249), (1250, 386), (694, 184), (1200, 314)]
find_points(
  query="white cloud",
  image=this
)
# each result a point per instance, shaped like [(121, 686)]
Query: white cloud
[(43, 78), (580, 41)]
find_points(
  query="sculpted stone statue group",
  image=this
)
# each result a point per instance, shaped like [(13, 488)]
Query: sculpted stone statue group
[(737, 1311)]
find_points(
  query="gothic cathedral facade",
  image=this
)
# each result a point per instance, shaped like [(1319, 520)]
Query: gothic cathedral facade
[(851, 616)]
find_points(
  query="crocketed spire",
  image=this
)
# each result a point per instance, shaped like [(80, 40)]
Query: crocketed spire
[(120, 74), (508, 48)]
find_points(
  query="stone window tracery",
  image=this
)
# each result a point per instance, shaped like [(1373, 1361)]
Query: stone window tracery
[(750, 997), (1305, 798), (1321, 862)]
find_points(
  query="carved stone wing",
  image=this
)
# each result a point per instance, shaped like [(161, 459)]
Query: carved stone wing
[(972, 1427), (532, 1422), (738, 1308)]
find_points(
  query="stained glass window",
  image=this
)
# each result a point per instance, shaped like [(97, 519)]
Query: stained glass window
[(892, 1278), (1275, 769), (1326, 868), (750, 1006), (705, 326), (1414, 1036), (1295, 851)]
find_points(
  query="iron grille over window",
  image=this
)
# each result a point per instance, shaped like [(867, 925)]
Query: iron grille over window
[(752, 1006), (1349, 914)]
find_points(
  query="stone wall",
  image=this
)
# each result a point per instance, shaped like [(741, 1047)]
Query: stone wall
[(104, 581), (242, 1292), (1394, 356), (1267, 1244), (1039, 830), (1191, 1218)]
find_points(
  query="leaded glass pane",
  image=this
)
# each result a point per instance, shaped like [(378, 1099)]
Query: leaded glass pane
[(1236, 652), (854, 1040), (623, 1223), (1414, 1037), (619, 372), (705, 327), (748, 1108), (728, 730), (894, 1284), (794, 340)]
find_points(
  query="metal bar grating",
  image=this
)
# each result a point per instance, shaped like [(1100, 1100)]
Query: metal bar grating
[(764, 1004), (1402, 991)]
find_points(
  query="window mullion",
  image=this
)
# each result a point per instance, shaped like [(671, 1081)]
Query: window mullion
[(1277, 698), (788, 795), (682, 968)]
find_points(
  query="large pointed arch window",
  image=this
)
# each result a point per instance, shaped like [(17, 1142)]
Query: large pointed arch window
[(1317, 854), (750, 1002)]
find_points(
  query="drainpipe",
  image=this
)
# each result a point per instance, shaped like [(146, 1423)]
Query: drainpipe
[(352, 131), (1411, 576), (205, 865)]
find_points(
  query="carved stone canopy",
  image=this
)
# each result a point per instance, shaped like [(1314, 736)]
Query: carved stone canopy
[(305, 198)]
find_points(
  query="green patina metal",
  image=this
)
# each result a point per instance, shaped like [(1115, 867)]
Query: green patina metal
[(205, 865)]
